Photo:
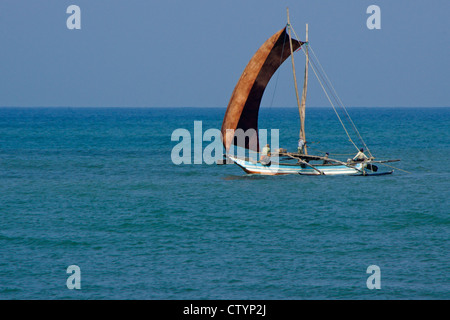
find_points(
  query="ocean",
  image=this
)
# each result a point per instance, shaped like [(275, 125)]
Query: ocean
[(96, 188)]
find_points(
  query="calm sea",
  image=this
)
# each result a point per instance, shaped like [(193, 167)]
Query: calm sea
[(96, 188)]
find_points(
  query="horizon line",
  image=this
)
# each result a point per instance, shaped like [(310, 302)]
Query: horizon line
[(213, 107)]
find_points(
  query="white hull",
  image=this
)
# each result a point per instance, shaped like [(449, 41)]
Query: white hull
[(253, 167)]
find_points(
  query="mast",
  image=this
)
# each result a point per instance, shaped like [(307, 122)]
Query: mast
[(300, 106), (305, 88)]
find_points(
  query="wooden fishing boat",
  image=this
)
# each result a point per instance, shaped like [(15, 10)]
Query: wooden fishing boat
[(241, 116)]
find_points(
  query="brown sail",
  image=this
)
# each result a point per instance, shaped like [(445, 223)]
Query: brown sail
[(243, 108)]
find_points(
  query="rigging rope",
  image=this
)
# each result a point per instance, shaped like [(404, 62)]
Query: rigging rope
[(333, 92), (384, 164), (337, 114), (338, 99)]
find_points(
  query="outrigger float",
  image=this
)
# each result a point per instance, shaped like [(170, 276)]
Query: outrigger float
[(242, 115)]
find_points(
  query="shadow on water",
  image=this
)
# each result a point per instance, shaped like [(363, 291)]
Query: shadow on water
[(246, 177)]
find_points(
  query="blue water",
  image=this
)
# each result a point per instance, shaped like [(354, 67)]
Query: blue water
[(96, 188)]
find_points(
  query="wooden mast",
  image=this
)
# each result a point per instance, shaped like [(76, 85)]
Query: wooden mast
[(300, 108), (305, 88)]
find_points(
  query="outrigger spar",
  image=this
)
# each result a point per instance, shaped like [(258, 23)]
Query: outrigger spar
[(241, 116)]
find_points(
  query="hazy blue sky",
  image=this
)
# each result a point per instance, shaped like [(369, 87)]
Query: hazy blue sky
[(191, 53)]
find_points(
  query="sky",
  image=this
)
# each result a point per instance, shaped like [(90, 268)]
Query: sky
[(174, 53)]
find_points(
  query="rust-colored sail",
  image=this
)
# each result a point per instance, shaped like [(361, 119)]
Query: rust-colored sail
[(243, 108)]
